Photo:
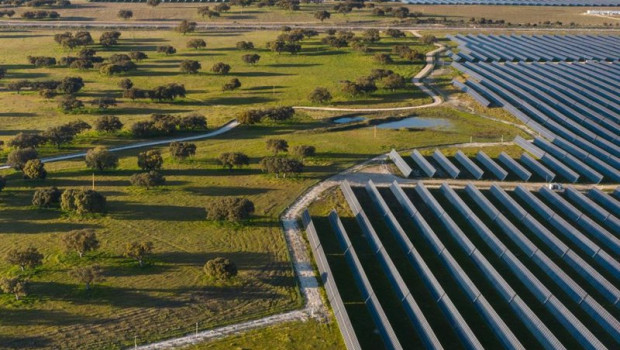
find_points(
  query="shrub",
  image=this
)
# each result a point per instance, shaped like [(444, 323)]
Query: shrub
[(81, 241), (147, 179), (190, 67), (83, 201), (233, 159), (220, 68), (150, 160), (108, 123), (34, 169), (233, 84), (196, 44), (182, 150), (320, 95), (220, 268), (100, 158), (46, 197), (230, 209), (18, 158), (245, 45)]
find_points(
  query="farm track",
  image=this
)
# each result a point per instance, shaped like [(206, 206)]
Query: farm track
[(222, 130)]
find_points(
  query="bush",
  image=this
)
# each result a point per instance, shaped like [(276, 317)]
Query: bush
[(233, 84), (230, 209), (166, 49), (220, 68), (100, 158), (304, 151), (233, 159), (34, 169), (182, 150), (320, 95), (220, 268), (18, 158), (108, 123), (150, 160), (83, 201), (245, 45), (46, 197), (148, 179), (190, 67), (196, 44)]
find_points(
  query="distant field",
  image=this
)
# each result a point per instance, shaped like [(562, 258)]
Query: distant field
[(276, 80), (100, 11)]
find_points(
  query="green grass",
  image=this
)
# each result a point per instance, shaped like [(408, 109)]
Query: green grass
[(276, 80), (171, 294), (293, 335)]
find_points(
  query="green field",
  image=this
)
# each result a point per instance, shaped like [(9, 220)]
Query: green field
[(170, 295), (276, 80)]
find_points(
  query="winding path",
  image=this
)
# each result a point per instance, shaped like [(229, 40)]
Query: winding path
[(417, 80), (224, 129)]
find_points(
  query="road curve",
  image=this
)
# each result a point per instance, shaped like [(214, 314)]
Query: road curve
[(225, 128)]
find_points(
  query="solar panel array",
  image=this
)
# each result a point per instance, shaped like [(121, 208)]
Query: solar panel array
[(549, 278), (565, 88), (517, 2)]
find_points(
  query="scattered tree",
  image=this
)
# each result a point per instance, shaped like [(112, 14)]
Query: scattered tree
[(245, 45), (100, 158), (138, 55), (34, 169), (281, 165), (166, 49), (147, 179), (230, 209), (190, 67), (103, 102), (125, 14), (393, 82), (46, 197), (371, 35), (277, 145), (125, 84), (150, 160), (383, 58), (153, 3), (395, 33), (138, 251), (233, 159), (18, 158), (220, 268), (70, 103), (196, 44), (71, 85), (27, 258), (322, 15), (320, 95), (250, 58), (81, 241), (108, 123), (88, 274), (108, 39), (181, 150), (251, 116), (22, 140), (428, 39), (186, 27), (304, 151), (83, 201), (232, 84), (220, 68), (16, 286)]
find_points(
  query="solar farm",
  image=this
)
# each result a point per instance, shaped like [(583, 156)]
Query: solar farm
[(507, 261), (517, 2), (436, 267)]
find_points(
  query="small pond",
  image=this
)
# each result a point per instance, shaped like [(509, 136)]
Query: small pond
[(346, 120), (414, 122)]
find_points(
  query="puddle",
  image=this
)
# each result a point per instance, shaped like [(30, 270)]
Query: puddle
[(415, 122), (346, 120)]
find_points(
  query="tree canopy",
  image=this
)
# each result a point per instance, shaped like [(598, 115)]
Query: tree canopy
[(81, 241), (220, 268), (100, 158)]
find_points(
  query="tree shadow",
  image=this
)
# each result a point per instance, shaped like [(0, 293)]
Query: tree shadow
[(241, 100), (18, 226), (324, 53), (138, 211), (17, 114), (23, 342), (40, 317), (263, 88), (225, 191), (259, 74), (292, 65)]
